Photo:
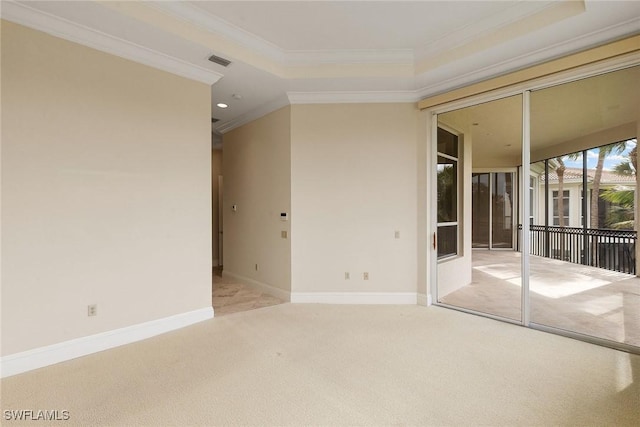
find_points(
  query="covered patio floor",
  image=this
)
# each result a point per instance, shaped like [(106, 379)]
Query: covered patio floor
[(573, 297)]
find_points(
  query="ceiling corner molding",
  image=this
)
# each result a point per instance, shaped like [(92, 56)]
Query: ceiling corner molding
[(23, 14), (194, 15), (205, 20), (620, 53), (548, 53), (252, 115), (481, 28), (349, 97)]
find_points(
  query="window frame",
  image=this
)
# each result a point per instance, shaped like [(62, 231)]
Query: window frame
[(457, 222), (554, 207)]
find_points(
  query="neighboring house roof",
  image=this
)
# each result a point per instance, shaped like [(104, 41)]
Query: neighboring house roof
[(575, 175)]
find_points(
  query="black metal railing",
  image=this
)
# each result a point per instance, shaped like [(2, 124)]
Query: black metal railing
[(596, 247)]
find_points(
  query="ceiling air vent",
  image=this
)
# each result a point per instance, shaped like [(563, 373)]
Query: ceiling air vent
[(219, 60), (214, 120)]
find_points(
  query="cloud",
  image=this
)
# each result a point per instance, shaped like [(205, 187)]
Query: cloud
[(616, 158)]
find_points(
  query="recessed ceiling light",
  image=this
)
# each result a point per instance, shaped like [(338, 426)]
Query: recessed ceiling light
[(222, 105)]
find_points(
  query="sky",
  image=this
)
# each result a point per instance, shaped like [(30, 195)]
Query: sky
[(610, 162)]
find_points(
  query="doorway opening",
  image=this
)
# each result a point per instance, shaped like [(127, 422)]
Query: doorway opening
[(493, 210)]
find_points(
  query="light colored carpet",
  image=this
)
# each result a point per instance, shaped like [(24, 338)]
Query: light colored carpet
[(299, 364)]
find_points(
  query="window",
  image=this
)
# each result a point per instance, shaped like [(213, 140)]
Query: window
[(565, 209), (447, 176)]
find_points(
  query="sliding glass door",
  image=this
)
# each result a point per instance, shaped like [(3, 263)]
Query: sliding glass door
[(476, 276), (583, 267), (549, 177)]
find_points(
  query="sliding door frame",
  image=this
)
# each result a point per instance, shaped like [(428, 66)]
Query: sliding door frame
[(524, 89), (432, 174)]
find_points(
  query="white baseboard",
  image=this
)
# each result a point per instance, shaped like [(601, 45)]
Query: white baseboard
[(354, 297), (424, 299), (17, 363), (262, 287)]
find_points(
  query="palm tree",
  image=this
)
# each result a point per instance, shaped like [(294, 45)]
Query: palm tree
[(603, 152), (630, 165), (622, 212), (560, 169)]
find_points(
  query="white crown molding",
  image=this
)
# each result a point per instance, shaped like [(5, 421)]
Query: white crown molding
[(400, 298), (263, 110), (194, 15), (23, 14), (262, 287), (428, 83), (336, 97), (353, 97), (482, 27), (567, 47), (17, 363), (216, 141), (349, 56)]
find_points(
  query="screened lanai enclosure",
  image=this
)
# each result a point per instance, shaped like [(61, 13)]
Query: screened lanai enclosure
[(537, 204)]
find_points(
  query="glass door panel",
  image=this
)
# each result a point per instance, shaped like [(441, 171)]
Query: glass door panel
[(583, 263), (492, 206), (502, 211), (488, 136), (480, 208)]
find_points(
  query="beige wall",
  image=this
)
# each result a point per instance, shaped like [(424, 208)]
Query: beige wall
[(105, 191), (216, 171), (354, 183), (257, 179)]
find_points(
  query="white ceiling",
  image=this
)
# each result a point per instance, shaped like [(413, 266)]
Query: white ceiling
[(331, 51), (333, 25)]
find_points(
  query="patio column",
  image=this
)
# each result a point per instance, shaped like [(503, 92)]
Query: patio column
[(547, 242)]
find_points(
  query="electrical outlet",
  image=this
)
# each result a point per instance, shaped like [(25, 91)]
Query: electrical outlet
[(283, 234), (397, 234), (92, 310), (365, 275), (347, 276)]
